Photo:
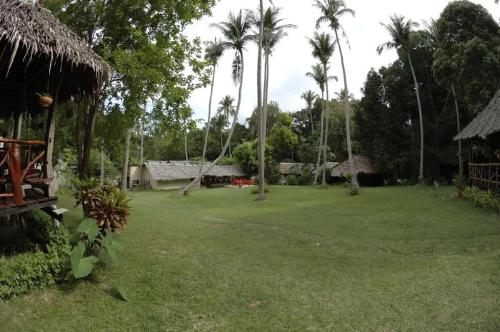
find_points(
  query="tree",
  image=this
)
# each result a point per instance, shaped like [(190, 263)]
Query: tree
[(213, 53), (270, 34), (323, 48), (236, 31), (225, 111), (309, 97), (318, 74), (331, 12), (400, 30), (466, 58)]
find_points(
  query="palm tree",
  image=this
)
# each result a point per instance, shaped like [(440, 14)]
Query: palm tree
[(236, 31), (270, 34), (323, 48), (213, 53), (310, 97), (331, 12), (319, 76), (226, 109), (400, 30)]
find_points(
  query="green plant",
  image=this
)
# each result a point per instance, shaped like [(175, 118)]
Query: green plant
[(460, 182), (48, 266), (484, 199), (92, 246), (108, 205), (292, 180)]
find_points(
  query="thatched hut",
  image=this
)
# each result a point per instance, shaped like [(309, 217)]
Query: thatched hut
[(483, 135), (368, 175), (39, 56)]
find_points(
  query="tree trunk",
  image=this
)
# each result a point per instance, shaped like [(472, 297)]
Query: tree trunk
[(320, 144), (421, 119), (185, 191), (186, 145), (260, 105), (78, 137), (124, 182), (312, 121), (88, 137), (141, 166), (102, 166), (49, 139), (459, 129), (207, 129), (327, 120), (354, 172), (18, 125)]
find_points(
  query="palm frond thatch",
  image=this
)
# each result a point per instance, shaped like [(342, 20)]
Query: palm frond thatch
[(486, 123)]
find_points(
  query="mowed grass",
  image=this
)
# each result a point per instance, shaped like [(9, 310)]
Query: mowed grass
[(307, 259)]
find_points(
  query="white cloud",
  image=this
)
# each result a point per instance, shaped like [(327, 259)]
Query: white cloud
[(293, 59)]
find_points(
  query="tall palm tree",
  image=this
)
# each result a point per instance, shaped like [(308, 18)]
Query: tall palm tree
[(213, 53), (400, 30), (271, 32), (225, 111), (323, 48), (309, 97), (319, 76), (236, 31), (331, 12)]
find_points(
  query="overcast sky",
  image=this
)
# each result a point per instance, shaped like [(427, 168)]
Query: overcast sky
[(292, 58)]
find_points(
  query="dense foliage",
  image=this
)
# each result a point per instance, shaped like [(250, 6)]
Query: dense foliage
[(44, 267)]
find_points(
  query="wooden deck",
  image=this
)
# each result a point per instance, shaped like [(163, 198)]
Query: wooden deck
[(10, 208)]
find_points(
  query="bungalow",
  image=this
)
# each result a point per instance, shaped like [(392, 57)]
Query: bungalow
[(164, 175), (368, 174), (483, 136)]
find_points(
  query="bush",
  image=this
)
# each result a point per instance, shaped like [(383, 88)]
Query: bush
[(108, 205), (307, 177), (292, 180), (484, 199), (48, 266)]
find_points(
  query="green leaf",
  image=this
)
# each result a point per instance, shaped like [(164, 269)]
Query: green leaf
[(89, 227), (78, 252), (122, 293), (83, 267), (112, 245)]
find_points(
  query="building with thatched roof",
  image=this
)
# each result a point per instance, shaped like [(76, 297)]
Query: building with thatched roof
[(368, 174), (42, 64), (160, 175), (483, 135)]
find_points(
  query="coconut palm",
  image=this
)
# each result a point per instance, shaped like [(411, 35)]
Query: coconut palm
[(400, 30), (213, 53), (236, 31), (319, 76), (225, 111), (310, 97), (323, 48), (331, 12), (272, 32)]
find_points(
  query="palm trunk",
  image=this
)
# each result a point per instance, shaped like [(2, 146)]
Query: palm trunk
[(311, 117), (102, 166), (354, 175), (185, 190), (459, 129), (88, 137), (207, 129), (262, 145), (124, 182), (421, 119), (186, 145), (327, 119), (320, 144)]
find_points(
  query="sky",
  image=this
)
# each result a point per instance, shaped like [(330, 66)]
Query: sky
[(292, 58)]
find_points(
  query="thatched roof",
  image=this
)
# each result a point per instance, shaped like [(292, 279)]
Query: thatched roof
[(170, 171), (486, 123), (361, 163), (36, 49)]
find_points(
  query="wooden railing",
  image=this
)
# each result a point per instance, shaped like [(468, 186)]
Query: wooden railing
[(17, 167), (485, 176)]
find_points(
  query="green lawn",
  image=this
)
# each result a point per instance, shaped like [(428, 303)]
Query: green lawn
[(307, 259)]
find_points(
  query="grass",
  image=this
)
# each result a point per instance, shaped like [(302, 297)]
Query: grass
[(307, 259)]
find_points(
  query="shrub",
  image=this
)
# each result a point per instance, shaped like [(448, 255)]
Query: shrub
[(484, 199), (48, 266), (108, 205), (307, 177), (91, 246), (292, 180)]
